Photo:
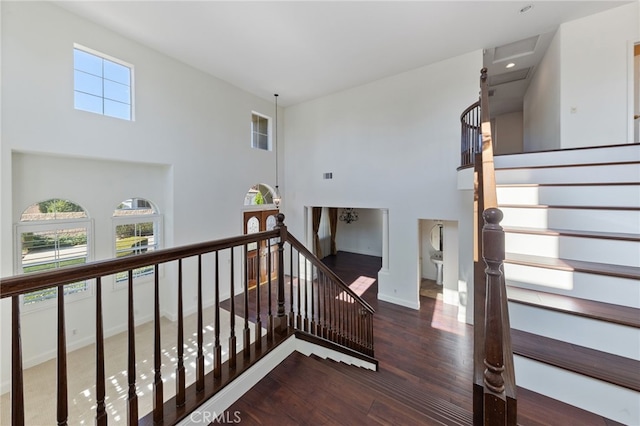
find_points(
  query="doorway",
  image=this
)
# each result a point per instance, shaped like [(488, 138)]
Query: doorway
[(262, 261)]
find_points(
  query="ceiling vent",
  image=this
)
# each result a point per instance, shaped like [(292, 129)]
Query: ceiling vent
[(509, 77), (516, 49)]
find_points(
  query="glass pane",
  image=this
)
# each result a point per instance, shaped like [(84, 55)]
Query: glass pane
[(87, 83), (53, 209), (135, 238), (116, 72), (87, 62), (117, 109), (86, 102), (263, 125), (53, 249), (263, 142), (117, 92), (134, 206)]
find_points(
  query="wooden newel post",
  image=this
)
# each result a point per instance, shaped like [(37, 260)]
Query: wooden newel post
[(493, 255), (280, 325)]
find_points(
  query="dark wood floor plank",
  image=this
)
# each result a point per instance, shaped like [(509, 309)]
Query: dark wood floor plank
[(425, 357), (600, 365), (619, 236), (623, 315), (621, 271)]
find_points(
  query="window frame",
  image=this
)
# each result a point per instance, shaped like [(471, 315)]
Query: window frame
[(254, 144), (104, 56), (52, 225)]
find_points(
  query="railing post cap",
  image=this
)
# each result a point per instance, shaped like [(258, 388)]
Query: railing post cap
[(280, 218), (483, 73), (493, 215)]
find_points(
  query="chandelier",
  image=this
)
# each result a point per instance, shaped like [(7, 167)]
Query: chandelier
[(349, 215)]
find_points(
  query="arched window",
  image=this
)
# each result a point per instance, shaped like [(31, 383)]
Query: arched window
[(137, 229), (53, 234), (258, 194)]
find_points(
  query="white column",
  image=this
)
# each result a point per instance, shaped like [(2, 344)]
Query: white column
[(385, 239)]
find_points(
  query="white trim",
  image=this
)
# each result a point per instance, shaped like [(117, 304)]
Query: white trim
[(397, 301)]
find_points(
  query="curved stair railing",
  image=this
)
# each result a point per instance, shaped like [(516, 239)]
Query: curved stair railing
[(470, 134), (494, 389), (306, 297)]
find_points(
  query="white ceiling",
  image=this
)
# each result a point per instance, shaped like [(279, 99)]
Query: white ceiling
[(306, 49)]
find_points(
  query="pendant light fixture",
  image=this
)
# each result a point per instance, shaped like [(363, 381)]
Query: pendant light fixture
[(277, 199)]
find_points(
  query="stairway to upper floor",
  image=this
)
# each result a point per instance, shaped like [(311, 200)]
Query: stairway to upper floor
[(572, 270)]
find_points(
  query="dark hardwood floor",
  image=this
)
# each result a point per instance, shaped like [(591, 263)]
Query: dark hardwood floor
[(425, 369)]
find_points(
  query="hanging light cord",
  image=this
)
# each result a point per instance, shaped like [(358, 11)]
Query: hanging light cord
[(276, 139)]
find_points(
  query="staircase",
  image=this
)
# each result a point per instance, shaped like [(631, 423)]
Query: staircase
[(572, 269)]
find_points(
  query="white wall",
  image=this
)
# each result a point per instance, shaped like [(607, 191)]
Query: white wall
[(508, 133), (541, 105), (394, 144), (191, 133), (363, 236), (39, 177), (579, 93), (594, 84)]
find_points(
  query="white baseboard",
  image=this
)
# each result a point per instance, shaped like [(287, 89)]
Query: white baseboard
[(402, 302)]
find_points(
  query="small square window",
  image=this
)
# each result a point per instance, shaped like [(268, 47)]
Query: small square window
[(102, 84)]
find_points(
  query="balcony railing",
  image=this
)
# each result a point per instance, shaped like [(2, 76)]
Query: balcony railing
[(300, 294)]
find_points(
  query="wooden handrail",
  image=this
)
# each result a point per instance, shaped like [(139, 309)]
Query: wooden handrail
[(488, 170), (328, 272), (332, 313), (27, 283), (494, 390)]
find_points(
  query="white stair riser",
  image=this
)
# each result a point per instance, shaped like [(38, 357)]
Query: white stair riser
[(624, 221), (600, 335), (583, 174), (617, 154), (610, 401), (600, 196), (614, 252), (602, 288)]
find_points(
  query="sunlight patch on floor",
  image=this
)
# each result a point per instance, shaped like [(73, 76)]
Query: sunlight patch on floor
[(445, 317), (359, 286)]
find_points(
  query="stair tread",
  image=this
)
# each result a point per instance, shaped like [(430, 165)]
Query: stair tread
[(621, 271), (536, 185), (439, 409), (599, 365), (609, 312), (567, 206), (573, 233)]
